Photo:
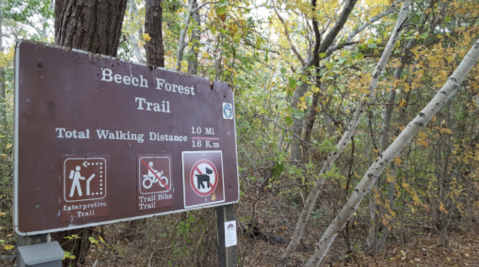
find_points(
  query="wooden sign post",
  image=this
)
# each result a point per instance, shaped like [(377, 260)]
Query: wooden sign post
[(226, 238)]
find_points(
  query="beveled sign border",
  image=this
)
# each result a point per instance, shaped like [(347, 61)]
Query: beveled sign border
[(16, 156)]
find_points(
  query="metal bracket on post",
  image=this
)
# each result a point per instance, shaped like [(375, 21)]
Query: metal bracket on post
[(226, 238)]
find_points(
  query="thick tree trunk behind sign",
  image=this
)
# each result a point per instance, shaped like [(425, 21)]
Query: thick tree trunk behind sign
[(94, 26), (90, 25), (155, 52)]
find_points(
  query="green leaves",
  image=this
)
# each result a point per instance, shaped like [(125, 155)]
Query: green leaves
[(292, 82), (220, 8), (68, 255), (289, 121), (298, 114), (93, 240), (277, 169)]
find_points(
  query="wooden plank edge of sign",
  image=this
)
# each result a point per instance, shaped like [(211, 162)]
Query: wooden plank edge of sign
[(16, 141)]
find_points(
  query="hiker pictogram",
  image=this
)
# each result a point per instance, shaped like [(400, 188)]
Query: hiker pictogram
[(154, 175), (75, 175), (204, 177), (84, 178)]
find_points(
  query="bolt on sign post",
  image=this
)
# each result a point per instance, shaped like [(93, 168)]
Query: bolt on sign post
[(98, 141)]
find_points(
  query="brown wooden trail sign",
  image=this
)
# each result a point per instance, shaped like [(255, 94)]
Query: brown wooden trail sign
[(98, 141)]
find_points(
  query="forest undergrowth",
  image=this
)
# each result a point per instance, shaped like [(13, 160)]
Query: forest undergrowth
[(265, 223)]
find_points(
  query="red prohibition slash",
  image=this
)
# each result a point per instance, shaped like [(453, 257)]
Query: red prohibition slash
[(146, 165), (196, 169)]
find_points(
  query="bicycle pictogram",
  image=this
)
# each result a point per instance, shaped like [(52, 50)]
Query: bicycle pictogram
[(154, 175)]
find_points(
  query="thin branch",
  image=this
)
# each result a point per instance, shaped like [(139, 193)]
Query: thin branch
[(181, 42), (267, 49), (359, 29), (331, 36), (295, 51), (338, 26), (288, 130), (317, 35), (199, 7)]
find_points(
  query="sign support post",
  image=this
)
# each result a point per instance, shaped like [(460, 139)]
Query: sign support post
[(31, 240), (227, 256)]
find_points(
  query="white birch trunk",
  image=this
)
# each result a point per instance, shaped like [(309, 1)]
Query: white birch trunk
[(373, 241), (391, 152), (133, 41), (347, 136), (182, 42), (195, 35), (2, 74)]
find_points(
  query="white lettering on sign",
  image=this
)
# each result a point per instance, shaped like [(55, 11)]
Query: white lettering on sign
[(152, 106), (174, 88), (104, 134), (86, 214), (165, 137), (119, 135), (107, 76), (83, 206), (64, 133)]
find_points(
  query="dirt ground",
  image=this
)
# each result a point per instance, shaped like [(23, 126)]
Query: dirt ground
[(420, 250)]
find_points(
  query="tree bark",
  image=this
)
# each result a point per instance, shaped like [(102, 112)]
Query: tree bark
[(131, 38), (90, 25), (195, 38), (404, 138), (155, 51), (319, 46), (309, 122), (346, 138), (375, 243), (2, 76), (182, 41), (94, 26)]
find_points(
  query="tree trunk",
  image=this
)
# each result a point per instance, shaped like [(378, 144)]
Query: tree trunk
[(155, 51), (391, 152), (346, 138), (375, 242), (195, 39), (94, 26), (320, 46), (2, 76), (90, 25), (297, 127), (131, 38)]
